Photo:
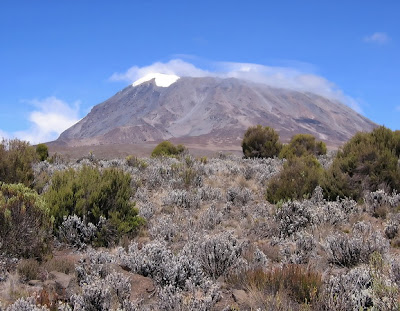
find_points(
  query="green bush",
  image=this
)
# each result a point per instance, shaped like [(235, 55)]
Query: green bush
[(261, 142), (43, 151), (94, 195), (367, 162), (298, 179), (134, 161), (166, 148), (301, 145), (25, 222), (16, 158)]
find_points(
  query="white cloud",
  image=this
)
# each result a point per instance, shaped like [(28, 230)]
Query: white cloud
[(282, 77), (50, 118), (4, 135), (173, 67), (377, 37)]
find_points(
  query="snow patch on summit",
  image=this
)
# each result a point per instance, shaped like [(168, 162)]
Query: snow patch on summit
[(161, 80)]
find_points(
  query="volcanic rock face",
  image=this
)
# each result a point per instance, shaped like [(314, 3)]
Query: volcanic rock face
[(212, 111)]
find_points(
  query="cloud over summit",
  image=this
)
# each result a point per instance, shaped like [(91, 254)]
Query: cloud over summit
[(276, 76)]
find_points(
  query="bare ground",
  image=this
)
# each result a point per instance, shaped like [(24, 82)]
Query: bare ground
[(140, 150)]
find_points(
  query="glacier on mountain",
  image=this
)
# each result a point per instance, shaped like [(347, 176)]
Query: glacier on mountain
[(161, 80)]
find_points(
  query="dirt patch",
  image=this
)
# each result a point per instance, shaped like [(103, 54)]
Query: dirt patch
[(140, 150)]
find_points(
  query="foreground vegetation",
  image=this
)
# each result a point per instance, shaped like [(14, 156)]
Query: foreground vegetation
[(296, 230)]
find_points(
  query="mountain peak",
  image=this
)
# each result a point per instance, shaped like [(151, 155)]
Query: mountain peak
[(211, 112), (160, 79)]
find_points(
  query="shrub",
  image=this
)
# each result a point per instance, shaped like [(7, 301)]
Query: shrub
[(155, 260), (210, 218), (302, 145), (385, 290), (347, 291), (16, 159), (110, 293), (42, 176), (134, 161), (208, 193), (182, 198), (164, 228), (43, 151), (298, 179), (369, 161), (166, 148), (330, 212), (102, 288), (391, 229), (147, 210), (379, 203), (94, 195), (96, 265), (261, 142), (218, 253), (171, 298), (395, 266), (238, 195), (292, 217), (350, 251), (190, 177), (77, 232), (305, 246), (203, 160), (370, 287), (25, 223), (26, 304)]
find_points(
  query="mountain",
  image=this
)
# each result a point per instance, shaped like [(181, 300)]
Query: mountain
[(211, 111)]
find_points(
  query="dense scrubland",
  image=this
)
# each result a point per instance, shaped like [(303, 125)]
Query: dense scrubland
[(286, 227)]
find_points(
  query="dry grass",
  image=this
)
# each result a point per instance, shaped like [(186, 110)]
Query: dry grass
[(381, 211), (12, 289), (395, 242), (28, 269), (48, 298), (273, 252), (60, 264), (296, 281), (258, 300)]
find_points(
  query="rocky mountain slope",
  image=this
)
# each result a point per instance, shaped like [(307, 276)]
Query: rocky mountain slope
[(211, 111)]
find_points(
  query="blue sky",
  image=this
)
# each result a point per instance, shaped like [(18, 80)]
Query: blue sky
[(60, 58)]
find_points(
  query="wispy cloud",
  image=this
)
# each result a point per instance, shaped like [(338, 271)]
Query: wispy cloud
[(4, 135), (276, 76), (176, 66), (398, 108), (48, 120), (377, 38)]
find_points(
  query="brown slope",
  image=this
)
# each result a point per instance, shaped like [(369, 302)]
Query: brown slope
[(212, 111)]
